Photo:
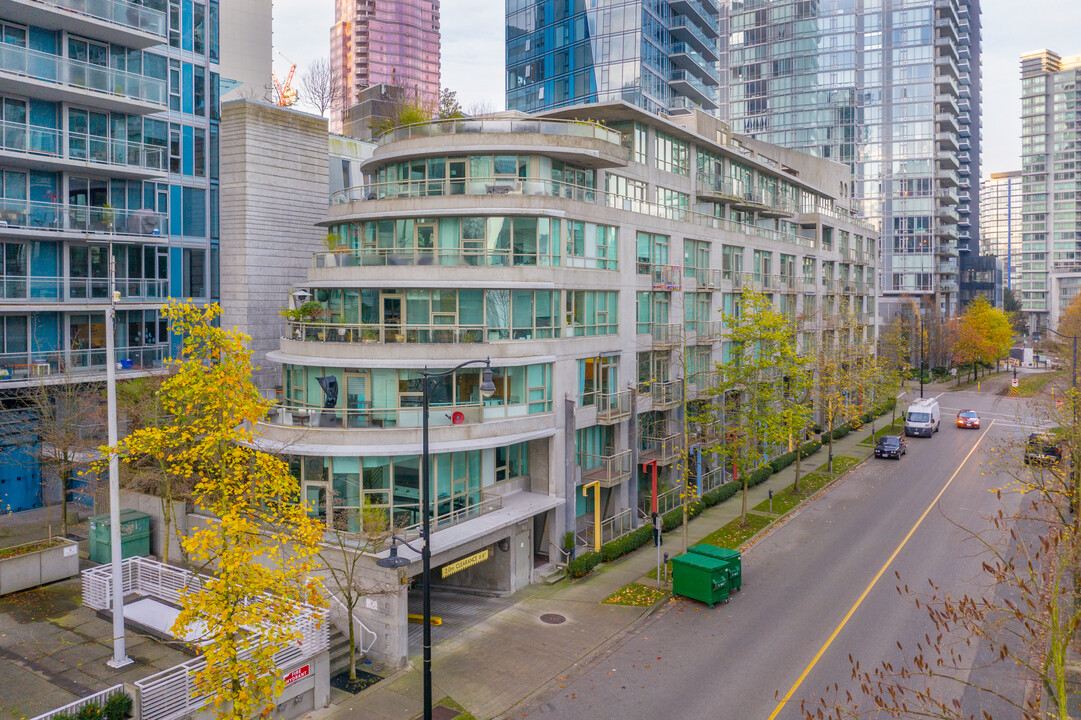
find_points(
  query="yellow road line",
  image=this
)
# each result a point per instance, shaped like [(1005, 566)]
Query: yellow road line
[(870, 586)]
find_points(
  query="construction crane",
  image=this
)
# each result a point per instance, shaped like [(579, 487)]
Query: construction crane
[(284, 93)]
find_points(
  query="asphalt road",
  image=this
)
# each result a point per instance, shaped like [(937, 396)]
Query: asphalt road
[(819, 588)]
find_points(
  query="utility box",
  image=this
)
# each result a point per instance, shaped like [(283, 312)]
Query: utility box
[(134, 536), (731, 557), (700, 577)]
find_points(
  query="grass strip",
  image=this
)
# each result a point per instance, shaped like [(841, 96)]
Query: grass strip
[(1032, 385), (895, 428), (636, 595)]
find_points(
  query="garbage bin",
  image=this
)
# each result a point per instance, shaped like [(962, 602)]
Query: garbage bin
[(134, 536), (731, 557), (700, 577)]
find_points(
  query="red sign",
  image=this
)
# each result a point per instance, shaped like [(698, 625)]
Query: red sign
[(299, 674)]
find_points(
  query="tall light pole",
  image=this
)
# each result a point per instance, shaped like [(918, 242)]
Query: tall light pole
[(120, 657), (487, 389)]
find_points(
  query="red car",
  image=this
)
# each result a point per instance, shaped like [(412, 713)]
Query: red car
[(968, 419)]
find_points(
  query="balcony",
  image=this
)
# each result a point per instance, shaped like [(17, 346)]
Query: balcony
[(375, 333), (608, 470), (116, 21), (41, 148), (946, 103), (25, 368), (39, 289), (502, 126), (947, 269), (666, 394), (664, 449), (696, 11), (706, 279), (947, 197), (947, 230), (686, 30), (707, 331), (61, 79), (666, 335), (947, 286), (82, 219), (949, 178), (784, 283), (714, 188), (947, 121), (946, 67), (663, 277), (948, 160), (687, 84), (613, 407), (685, 57)]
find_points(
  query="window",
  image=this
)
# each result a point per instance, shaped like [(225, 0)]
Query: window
[(511, 462), (194, 273), (672, 155), (596, 376), (591, 312), (592, 246)]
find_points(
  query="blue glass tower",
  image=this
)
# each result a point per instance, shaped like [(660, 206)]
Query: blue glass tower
[(108, 148), (660, 55)]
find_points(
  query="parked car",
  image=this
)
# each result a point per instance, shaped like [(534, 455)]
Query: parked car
[(891, 446), (1042, 449), (968, 419)]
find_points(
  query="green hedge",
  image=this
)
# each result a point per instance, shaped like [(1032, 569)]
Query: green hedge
[(780, 462), (581, 565), (810, 448), (628, 543)]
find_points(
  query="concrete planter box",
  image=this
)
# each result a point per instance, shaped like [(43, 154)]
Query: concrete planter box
[(37, 567)]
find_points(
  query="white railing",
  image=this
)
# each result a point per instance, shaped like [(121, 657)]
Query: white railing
[(72, 708), (615, 527), (344, 617), (175, 692)]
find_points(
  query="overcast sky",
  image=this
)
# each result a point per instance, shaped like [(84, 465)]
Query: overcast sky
[(473, 54)]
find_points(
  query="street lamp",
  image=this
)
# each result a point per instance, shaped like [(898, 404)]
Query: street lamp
[(487, 389)]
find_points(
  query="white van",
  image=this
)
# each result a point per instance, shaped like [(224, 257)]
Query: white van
[(922, 418)]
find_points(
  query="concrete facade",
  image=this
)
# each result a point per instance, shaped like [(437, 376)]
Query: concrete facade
[(590, 265), (247, 57), (274, 187)]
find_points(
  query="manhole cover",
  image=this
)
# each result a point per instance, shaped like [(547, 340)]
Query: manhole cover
[(553, 619)]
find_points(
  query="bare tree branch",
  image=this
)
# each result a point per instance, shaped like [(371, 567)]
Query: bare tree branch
[(319, 88)]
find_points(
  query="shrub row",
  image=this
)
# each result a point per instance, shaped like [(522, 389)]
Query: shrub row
[(584, 563), (117, 706)]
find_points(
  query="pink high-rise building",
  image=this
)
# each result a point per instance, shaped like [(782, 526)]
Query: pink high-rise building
[(393, 42)]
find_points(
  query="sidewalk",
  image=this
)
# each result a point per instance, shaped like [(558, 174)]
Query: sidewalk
[(508, 656)]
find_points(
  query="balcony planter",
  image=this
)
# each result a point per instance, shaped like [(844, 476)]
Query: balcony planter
[(33, 564)]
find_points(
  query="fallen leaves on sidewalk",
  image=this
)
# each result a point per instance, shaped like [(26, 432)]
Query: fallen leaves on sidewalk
[(635, 594)]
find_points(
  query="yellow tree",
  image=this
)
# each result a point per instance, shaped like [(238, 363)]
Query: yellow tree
[(1070, 323), (758, 385), (983, 334), (260, 545)]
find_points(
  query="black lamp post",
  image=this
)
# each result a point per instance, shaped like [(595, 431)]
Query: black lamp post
[(487, 389)]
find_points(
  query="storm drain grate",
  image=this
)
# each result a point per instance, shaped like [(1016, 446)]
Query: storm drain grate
[(553, 619)]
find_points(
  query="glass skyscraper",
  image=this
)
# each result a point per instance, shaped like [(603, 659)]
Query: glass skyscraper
[(1000, 222), (1051, 228), (660, 55), (891, 87), (392, 42), (108, 149)]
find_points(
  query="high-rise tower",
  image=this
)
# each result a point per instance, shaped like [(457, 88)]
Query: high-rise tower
[(1051, 228), (893, 89), (660, 55), (1000, 223), (391, 42)]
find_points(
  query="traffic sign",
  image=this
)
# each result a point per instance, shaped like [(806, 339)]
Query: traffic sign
[(1014, 382)]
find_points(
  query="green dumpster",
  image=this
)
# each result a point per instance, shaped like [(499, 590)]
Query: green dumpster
[(134, 536), (700, 577), (732, 557)]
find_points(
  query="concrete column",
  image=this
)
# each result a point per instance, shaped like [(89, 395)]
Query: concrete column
[(569, 484)]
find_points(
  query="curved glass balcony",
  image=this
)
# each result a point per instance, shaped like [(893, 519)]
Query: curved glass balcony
[(442, 128)]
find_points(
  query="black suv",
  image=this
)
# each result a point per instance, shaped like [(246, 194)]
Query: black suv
[(1042, 449), (891, 446)]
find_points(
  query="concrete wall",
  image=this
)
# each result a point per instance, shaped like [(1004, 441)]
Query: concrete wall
[(246, 47), (273, 190)]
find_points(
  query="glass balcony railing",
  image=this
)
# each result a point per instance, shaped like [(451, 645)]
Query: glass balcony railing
[(16, 366), (119, 12), (34, 140), (666, 394), (78, 74), (613, 407), (62, 217), (516, 126), (410, 333), (665, 450), (705, 67), (365, 415), (547, 187), (57, 289), (608, 470)]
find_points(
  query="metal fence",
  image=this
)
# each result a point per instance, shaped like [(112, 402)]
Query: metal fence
[(72, 709)]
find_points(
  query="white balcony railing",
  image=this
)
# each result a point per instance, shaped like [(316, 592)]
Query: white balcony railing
[(62, 70), (608, 470), (62, 217), (119, 12)]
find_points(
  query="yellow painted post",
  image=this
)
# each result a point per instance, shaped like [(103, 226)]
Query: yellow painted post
[(596, 512)]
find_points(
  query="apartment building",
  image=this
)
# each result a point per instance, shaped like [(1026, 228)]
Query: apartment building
[(890, 87), (1051, 220), (1000, 222), (660, 55), (590, 264), (108, 149)]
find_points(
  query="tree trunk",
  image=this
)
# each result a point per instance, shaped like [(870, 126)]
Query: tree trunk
[(799, 454), (166, 518), (65, 482), (743, 511), (352, 646)]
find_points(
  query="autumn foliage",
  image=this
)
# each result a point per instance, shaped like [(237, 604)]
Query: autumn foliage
[(260, 546)]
